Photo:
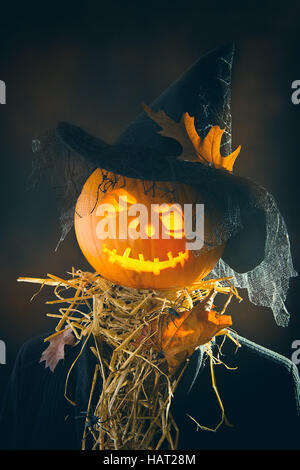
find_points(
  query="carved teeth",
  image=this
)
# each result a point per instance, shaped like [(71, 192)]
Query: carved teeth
[(141, 265), (172, 261), (156, 268), (126, 252), (181, 255), (112, 257)]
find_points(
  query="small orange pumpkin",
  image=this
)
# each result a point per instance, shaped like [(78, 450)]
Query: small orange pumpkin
[(153, 262)]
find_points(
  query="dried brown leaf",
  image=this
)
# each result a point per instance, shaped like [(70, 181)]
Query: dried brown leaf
[(174, 130), (56, 349)]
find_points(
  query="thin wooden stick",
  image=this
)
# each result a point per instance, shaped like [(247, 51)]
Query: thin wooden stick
[(89, 405)]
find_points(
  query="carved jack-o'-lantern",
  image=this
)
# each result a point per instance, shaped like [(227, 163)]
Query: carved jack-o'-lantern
[(120, 239)]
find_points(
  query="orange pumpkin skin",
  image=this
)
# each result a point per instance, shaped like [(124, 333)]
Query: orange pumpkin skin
[(140, 263)]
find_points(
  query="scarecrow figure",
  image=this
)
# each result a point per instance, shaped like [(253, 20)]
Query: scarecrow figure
[(142, 343)]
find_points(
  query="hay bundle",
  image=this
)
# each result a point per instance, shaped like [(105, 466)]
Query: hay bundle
[(133, 409)]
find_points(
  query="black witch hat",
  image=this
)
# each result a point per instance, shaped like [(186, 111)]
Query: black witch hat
[(142, 152), (203, 91)]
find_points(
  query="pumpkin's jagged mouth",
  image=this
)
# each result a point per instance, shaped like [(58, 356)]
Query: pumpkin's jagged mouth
[(141, 265)]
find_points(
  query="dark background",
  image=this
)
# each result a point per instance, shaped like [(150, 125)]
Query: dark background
[(93, 65)]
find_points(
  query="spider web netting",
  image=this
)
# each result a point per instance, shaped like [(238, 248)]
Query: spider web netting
[(67, 173), (268, 283)]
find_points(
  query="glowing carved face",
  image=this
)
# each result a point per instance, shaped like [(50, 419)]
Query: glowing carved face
[(136, 238)]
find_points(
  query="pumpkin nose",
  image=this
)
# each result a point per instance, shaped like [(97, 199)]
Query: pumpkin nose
[(148, 230), (172, 224)]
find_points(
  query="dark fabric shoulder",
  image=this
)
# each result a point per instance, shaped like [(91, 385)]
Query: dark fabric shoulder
[(259, 390), (30, 352), (266, 354), (260, 397), (35, 413), (269, 363)]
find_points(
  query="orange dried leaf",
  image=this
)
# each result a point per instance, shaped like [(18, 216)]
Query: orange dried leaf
[(209, 150), (193, 148), (179, 338), (194, 327)]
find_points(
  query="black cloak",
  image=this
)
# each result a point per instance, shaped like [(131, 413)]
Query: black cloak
[(261, 400)]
